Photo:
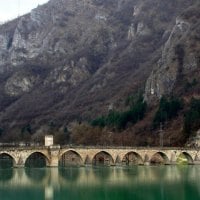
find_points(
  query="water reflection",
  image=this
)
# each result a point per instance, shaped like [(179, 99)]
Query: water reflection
[(70, 173), (96, 175), (49, 193), (6, 174), (110, 183), (102, 173), (37, 175)]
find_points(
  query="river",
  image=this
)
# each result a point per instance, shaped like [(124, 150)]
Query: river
[(101, 183)]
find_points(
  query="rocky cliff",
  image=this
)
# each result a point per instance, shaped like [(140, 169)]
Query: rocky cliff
[(72, 59), (180, 56)]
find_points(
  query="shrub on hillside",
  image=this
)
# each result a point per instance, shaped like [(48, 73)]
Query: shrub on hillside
[(119, 120)]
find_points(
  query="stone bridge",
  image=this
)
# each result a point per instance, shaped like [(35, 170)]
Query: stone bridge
[(55, 156)]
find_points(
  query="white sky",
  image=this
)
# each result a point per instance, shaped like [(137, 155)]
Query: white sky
[(10, 9)]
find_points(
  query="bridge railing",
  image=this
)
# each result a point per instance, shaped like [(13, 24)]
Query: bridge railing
[(13, 146), (126, 147)]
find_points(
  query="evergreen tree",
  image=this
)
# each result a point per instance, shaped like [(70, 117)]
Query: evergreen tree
[(119, 120), (192, 117), (168, 109)]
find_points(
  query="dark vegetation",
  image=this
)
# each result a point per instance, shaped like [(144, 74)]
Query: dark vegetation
[(168, 109), (111, 129), (192, 117), (119, 120)]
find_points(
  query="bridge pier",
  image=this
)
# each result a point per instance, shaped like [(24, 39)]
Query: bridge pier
[(173, 163), (18, 165), (196, 162), (147, 163), (54, 152)]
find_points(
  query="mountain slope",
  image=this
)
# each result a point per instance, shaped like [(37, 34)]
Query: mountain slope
[(70, 60)]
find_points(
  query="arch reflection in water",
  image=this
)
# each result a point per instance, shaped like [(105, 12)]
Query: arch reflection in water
[(103, 158), (36, 160), (113, 183), (6, 161), (70, 174), (37, 175), (70, 158), (6, 175), (102, 173)]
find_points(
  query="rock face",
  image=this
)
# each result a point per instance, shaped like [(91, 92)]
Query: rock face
[(71, 59), (175, 60), (19, 84)]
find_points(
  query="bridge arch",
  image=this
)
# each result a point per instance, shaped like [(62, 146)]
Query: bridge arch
[(70, 158), (7, 160), (36, 159), (102, 158), (159, 158), (184, 158), (132, 158)]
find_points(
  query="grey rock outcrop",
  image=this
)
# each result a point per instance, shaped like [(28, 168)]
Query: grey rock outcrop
[(175, 61), (19, 84)]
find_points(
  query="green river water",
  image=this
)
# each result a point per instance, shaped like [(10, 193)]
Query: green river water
[(101, 183)]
